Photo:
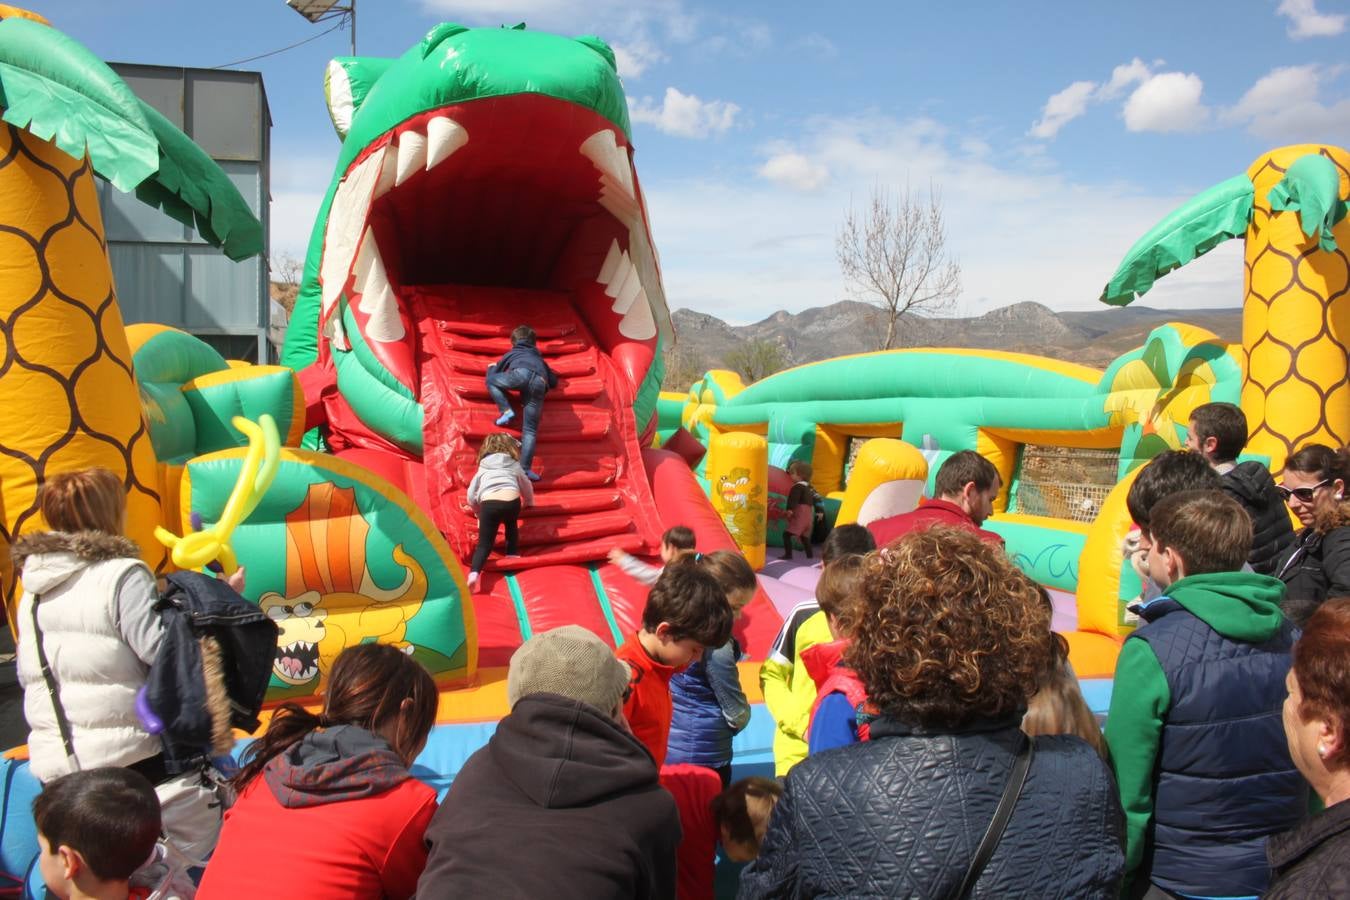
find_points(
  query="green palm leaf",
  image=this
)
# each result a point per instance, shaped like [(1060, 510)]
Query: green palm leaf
[(56, 89), (1193, 229)]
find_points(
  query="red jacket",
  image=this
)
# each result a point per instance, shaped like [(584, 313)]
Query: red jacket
[(649, 708), (824, 663), (337, 815), (694, 788), (929, 513)]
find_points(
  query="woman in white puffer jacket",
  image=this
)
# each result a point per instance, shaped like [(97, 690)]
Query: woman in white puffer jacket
[(87, 619)]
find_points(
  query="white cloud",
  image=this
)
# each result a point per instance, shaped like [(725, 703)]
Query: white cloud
[(1063, 108), (742, 248), (817, 46), (1305, 21), (635, 57), (1123, 76), (299, 182), (1284, 105), (1167, 102), (685, 115), (794, 171)]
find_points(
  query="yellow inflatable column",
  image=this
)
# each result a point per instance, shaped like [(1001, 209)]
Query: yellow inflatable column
[(1296, 391), (1102, 628), (887, 478), (738, 470), (68, 399)]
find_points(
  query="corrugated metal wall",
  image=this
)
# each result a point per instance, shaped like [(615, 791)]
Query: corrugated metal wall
[(164, 272)]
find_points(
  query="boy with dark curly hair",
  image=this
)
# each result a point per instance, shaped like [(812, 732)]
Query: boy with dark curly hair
[(1194, 731), (686, 613)]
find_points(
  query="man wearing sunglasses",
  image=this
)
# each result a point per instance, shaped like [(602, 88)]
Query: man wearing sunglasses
[(1218, 432)]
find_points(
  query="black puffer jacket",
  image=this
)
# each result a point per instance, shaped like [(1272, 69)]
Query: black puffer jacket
[(1313, 860), (1316, 565), (1250, 484), (902, 814)]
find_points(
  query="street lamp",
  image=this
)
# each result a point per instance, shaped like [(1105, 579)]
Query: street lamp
[(323, 10)]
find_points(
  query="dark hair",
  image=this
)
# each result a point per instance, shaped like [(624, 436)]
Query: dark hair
[(839, 591), (691, 600), (799, 469), (732, 571), (1322, 667), (523, 334), (951, 632), (109, 816), (1166, 474), (1209, 530), (1226, 424), (84, 500), (1321, 461), (367, 687), (731, 811), (961, 469), (681, 537), (847, 540)]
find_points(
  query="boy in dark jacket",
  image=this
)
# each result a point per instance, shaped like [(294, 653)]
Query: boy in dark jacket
[(522, 369), (1195, 730), (1218, 432), (563, 802)]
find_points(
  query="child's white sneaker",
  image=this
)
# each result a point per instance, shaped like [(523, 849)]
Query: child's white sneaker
[(472, 580)]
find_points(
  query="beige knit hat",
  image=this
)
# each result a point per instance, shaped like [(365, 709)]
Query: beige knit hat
[(569, 661)]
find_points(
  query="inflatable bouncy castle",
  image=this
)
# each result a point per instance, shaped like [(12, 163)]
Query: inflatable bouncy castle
[(485, 180)]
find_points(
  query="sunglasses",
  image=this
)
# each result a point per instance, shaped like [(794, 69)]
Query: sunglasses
[(1304, 494)]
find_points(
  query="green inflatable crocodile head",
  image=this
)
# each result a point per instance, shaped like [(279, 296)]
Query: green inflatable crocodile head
[(487, 159)]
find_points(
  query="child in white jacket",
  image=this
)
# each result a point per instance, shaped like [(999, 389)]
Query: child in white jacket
[(496, 494)]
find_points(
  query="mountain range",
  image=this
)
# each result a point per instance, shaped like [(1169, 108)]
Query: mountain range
[(1093, 338)]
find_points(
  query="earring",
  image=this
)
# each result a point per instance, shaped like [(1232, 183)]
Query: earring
[(1322, 751)]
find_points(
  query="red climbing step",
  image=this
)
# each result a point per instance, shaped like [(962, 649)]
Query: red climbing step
[(593, 494)]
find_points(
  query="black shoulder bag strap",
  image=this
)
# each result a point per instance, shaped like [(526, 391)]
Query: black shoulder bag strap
[(1002, 814), (62, 723)]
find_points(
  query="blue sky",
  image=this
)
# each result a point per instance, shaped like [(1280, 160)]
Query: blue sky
[(1057, 133)]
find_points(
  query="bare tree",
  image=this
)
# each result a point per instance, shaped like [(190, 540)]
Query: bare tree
[(684, 366), (893, 254), (287, 273), (756, 359)]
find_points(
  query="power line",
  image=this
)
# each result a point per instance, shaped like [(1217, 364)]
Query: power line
[(238, 62)]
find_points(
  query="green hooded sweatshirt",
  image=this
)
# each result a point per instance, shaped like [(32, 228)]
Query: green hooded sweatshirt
[(1241, 606)]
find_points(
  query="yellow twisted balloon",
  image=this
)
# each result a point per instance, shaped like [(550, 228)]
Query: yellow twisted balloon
[(198, 548)]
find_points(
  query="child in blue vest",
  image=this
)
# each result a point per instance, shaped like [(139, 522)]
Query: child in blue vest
[(1195, 730)]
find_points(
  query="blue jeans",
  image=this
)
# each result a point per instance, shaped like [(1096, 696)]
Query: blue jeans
[(532, 388)]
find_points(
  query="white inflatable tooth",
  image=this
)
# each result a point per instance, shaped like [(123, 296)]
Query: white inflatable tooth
[(412, 155), (631, 287), (385, 325), (609, 158), (622, 270), (639, 325), (444, 137), (346, 222), (611, 263), (387, 170)]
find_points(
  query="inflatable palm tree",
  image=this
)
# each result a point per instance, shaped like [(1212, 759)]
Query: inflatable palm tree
[(1290, 207), (67, 391)]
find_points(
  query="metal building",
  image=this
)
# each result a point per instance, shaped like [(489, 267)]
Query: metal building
[(164, 272)]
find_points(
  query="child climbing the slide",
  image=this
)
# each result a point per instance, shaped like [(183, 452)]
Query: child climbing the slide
[(676, 543), (801, 509), (495, 494), (523, 370)]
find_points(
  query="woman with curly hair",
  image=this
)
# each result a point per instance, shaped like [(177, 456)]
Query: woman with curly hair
[(1317, 564), (948, 798)]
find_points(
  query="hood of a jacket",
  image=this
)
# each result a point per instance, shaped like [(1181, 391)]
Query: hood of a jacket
[(497, 461), (48, 558), (344, 762), (1242, 606), (820, 659), (1248, 482), (562, 753)]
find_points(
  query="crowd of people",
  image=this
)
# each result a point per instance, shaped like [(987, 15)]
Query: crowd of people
[(931, 737)]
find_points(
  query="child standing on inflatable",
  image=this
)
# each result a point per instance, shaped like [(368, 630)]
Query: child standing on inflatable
[(801, 509), (523, 370), (495, 494)]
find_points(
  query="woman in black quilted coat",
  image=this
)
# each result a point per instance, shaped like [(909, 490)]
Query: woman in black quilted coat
[(1313, 860), (1317, 564), (951, 643)]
